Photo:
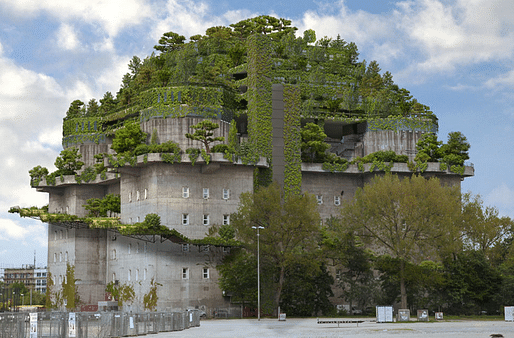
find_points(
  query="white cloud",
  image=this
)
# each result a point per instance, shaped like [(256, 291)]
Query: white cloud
[(112, 15), (24, 231), (67, 38), (506, 79), (502, 197)]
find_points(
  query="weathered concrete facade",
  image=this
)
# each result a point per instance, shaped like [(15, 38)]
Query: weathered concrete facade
[(189, 198)]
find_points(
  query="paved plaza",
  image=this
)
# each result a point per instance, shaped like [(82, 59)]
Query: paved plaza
[(310, 328)]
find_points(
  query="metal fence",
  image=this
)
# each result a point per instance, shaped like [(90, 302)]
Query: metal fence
[(94, 324)]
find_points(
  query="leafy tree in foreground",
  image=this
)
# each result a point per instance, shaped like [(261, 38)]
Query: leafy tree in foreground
[(411, 219), (313, 143), (291, 228), (98, 207)]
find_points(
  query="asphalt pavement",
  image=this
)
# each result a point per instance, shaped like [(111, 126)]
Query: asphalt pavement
[(227, 328)]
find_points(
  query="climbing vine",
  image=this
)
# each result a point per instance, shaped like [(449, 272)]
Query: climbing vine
[(292, 140)]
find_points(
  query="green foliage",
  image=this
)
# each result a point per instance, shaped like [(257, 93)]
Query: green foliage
[(193, 153), (68, 162), (76, 109), (98, 207), (153, 221), (307, 294), (204, 131), (170, 41), (292, 138), (128, 138), (69, 289), (406, 218), (88, 175), (289, 228), (37, 174), (123, 293), (313, 144), (150, 299), (238, 276), (154, 138), (48, 295)]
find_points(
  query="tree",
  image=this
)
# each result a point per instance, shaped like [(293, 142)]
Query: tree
[(455, 151), (307, 294), (313, 143), (107, 103), (68, 163), (204, 131), (170, 41), (263, 24), (92, 108), (128, 138), (291, 227), (482, 226), (69, 290), (98, 207), (238, 276), (76, 109), (37, 174), (428, 148), (411, 219)]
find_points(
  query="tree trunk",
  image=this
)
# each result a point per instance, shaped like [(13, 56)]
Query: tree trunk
[(403, 291), (280, 285)]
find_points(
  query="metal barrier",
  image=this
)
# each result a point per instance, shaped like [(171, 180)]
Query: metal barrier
[(94, 324)]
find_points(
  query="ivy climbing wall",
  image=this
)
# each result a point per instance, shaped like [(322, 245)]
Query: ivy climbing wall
[(259, 102)]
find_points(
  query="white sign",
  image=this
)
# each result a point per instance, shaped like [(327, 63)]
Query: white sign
[(33, 325), (509, 313), (72, 329), (131, 322), (384, 314)]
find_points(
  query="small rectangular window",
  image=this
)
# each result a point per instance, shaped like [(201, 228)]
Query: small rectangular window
[(226, 219), (205, 273), (226, 194), (185, 192), (146, 194), (185, 273), (137, 196), (319, 199), (205, 219), (337, 200), (185, 219), (185, 247), (130, 197), (205, 193)]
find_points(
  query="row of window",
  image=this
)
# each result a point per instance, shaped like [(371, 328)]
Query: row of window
[(205, 273), (185, 194), (60, 256), (204, 248), (60, 234), (206, 219), (337, 199)]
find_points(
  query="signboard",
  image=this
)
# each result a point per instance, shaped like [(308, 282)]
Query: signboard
[(72, 329), (403, 315), (131, 322), (509, 313), (33, 325), (282, 317), (438, 316), (384, 314), (422, 315)]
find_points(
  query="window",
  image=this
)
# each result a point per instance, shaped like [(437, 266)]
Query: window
[(205, 273), (185, 273), (226, 219), (146, 194), (145, 248), (60, 256), (226, 194), (185, 247), (55, 235), (114, 277), (205, 219), (113, 254), (130, 197), (137, 195), (205, 193), (137, 274), (226, 249), (185, 192), (144, 274), (66, 256), (337, 200), (204, 248), (129, 275), (185, 219), (55, 257), (137, 247), (129, 248), (319, 198)]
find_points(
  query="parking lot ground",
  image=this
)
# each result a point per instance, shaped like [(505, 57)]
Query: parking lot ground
[(308, 327)]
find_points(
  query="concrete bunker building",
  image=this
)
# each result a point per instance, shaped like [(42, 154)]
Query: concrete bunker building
[(190, 197)]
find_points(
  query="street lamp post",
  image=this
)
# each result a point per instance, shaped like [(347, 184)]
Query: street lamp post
[(258, 273)]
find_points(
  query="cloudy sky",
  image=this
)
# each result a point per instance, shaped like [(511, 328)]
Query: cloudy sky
[(454, 56)]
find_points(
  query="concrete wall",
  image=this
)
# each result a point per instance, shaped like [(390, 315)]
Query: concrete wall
[(70, 199), (402, 142), (175, 129), (164, 184)]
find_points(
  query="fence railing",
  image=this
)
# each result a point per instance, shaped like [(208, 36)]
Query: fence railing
[(94, 324)]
